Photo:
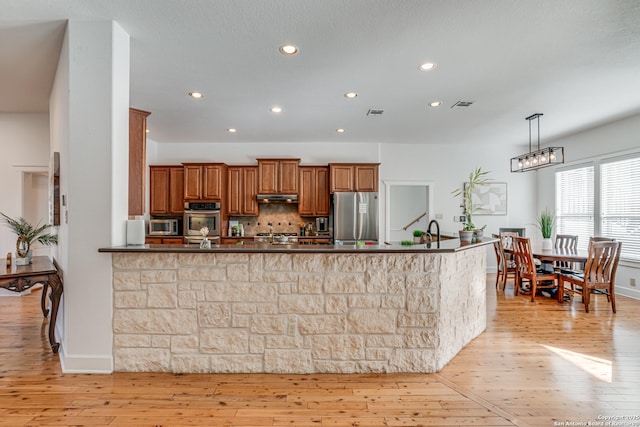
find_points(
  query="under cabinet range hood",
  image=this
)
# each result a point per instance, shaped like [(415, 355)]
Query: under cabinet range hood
[(277, 198)]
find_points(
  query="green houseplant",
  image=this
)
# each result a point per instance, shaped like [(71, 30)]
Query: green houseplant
[(545, 223), (418, 236), (27, 235), (476, 177)]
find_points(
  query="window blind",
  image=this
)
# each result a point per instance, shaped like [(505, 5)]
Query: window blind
[(575, 203), (620, 204)]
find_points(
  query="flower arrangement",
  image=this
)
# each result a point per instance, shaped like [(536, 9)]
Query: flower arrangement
[(204, 231)]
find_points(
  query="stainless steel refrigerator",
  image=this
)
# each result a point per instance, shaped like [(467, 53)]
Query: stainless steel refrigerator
[(355, 218)]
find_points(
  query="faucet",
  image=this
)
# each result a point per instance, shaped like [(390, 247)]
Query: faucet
[(270, 233), (433, 221)]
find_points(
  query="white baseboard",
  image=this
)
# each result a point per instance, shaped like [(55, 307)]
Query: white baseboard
[(85, 364), (628, 292)]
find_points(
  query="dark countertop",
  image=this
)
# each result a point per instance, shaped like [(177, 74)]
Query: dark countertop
[(445, 246)]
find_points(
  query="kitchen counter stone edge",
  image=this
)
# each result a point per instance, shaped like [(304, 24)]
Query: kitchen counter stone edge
[(445, 246)]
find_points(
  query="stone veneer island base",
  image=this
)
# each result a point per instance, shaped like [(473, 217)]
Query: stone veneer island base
[(295, 312)]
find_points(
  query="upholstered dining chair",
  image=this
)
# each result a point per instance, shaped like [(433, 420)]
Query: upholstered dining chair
[(526, 269), (599, 273)]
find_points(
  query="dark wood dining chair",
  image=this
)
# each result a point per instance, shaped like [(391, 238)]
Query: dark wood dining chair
[(505, 264), (566, 243), (526, 269), (601, 239), (504, 252), (599, 273)]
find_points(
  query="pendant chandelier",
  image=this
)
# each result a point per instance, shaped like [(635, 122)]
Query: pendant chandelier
[(540, 158)]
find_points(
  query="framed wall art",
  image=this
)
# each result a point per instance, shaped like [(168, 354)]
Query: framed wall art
[(490, 198)]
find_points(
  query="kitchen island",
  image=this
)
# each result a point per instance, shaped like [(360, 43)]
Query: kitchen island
[(296, 308)]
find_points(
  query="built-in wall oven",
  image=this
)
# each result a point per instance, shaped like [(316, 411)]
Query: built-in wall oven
[(198, 215)]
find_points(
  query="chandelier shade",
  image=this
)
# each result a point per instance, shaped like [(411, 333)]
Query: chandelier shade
[(540, 158)]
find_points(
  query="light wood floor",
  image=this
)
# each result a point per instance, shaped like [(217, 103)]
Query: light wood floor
[(536, 364)]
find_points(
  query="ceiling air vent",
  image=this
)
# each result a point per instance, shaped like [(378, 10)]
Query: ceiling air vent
[(462, 104), (373, 112)]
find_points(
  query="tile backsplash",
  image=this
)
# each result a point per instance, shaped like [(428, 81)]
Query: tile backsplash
[(283, 216)]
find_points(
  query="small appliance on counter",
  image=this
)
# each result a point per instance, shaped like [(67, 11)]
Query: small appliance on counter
[(164, 227), (322, 225), (135, 232)]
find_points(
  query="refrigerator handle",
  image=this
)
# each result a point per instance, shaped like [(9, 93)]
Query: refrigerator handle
[(354, 232)]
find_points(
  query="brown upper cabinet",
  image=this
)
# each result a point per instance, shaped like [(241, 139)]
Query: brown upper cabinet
[(346, 177), (204, 181), (166, 190), (278, 176), (137, 160), (242, 189), (314, 191)]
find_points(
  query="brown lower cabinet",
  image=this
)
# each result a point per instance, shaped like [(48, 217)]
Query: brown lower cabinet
[(236, 240), (163, 240), (314, 240)]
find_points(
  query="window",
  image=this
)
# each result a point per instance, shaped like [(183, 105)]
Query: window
[(620, 204), (575, 203), (612, 210)]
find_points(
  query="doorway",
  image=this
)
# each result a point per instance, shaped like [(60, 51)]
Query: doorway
[(35, 203), (409, 207)]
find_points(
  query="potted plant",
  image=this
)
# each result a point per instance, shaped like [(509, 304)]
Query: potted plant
[(417, 236), (476, 177), (27, 235), (545, 222)]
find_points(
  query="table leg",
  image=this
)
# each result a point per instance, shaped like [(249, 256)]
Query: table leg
[(43, 299), (56, 292)]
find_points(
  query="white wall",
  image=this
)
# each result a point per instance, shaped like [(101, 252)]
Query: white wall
[(24, 139), (620, 137), (91, 133), (247, 153)]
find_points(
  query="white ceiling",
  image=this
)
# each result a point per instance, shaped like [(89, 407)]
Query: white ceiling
[(576, 61)]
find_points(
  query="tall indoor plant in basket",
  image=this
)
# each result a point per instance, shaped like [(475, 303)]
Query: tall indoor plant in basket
[(476, 177), (27, 236)]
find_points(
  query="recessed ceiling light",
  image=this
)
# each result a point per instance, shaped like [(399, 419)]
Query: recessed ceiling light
[(196, 95), (427, 66), (340, 130), (288, 49), (350, 95), (232, 130), (276, 109), (435, 104), (147, 130)]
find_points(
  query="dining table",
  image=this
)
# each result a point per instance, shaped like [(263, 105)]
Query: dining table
[(561, 255)]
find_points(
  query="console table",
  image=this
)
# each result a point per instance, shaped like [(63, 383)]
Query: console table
[(42, 270)]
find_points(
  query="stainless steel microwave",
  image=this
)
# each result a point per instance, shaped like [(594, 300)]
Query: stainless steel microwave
[(164, 227)]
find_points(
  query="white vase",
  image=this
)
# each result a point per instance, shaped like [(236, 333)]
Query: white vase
[(24, 260), (547, 244)]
